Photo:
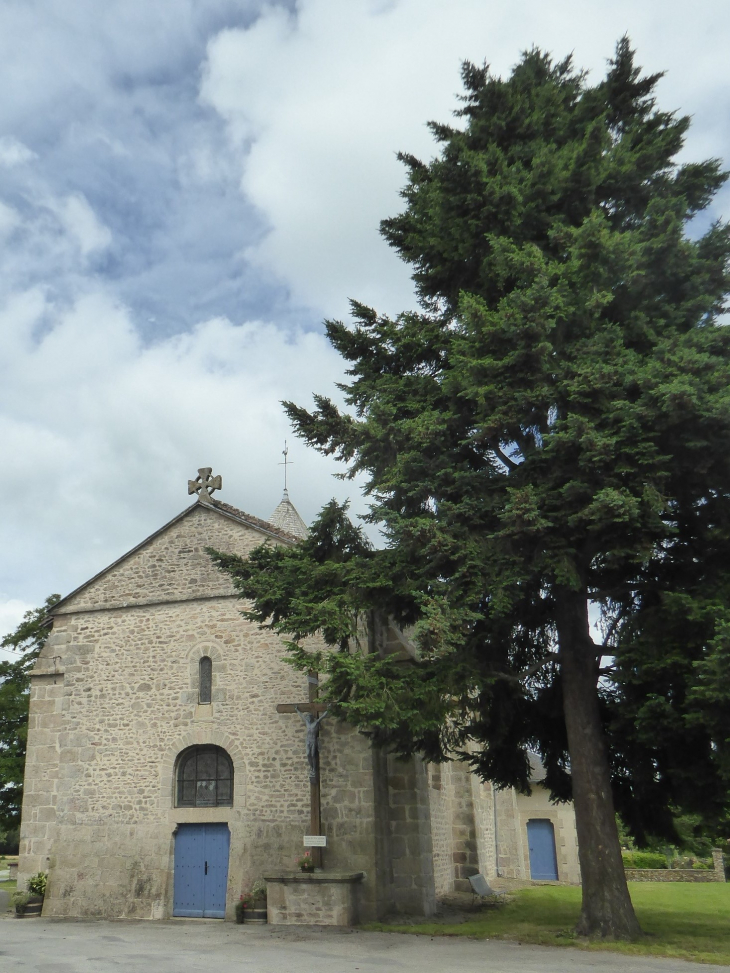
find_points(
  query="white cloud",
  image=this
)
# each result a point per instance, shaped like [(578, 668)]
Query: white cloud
[(11, 615), (14, 153), (125, 200), (79, 219), (9, 219), (319, 102), (101, 432)]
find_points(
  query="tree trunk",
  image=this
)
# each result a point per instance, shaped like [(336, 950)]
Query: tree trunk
[(606, 910)]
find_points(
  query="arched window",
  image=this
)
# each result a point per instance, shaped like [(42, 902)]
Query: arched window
[(204, 778), (205, 679)]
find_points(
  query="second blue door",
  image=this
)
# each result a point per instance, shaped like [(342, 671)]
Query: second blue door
[(541, 842), (201, 870)]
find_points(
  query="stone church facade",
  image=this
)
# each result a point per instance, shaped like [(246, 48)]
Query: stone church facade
[(150, 672)]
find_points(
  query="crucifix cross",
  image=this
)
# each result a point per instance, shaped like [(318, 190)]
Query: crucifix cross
[(311, 714), (204, 484)]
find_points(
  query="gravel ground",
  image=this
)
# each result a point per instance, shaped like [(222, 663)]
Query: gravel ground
[(201, 946)]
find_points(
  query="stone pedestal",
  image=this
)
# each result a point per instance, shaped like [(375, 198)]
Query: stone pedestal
[(313, 898)]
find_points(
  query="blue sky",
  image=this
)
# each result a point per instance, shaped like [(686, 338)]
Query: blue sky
[(187, 188)]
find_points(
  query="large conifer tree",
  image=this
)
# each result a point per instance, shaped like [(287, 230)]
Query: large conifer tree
[(550, 433)]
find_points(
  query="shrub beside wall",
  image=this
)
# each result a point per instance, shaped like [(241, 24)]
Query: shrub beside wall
[(644, 859), (643, 866)]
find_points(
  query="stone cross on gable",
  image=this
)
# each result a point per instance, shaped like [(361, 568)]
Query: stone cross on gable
[(204, 484)]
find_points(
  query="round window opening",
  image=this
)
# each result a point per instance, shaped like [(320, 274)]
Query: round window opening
[(204, 778)]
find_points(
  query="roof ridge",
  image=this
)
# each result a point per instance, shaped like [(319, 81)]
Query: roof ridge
[(223, 508), (248, 518)]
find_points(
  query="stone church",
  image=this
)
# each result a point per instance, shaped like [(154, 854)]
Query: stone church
[(161, 780)]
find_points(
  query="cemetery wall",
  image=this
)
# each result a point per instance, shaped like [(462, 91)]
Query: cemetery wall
[(673, 875)]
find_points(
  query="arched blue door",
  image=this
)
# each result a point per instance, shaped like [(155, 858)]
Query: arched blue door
[(541, 842), (201, 870)]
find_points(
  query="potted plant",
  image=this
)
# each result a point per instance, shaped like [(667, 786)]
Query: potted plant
[(20, 900), (252, 905), (37, 890), (305, 862), (29, 902)]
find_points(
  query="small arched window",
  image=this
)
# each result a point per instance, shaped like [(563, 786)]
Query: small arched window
[(205, 679), (204, 778)]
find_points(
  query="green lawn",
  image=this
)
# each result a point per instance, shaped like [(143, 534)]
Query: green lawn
[(681, 920), (8, 885)]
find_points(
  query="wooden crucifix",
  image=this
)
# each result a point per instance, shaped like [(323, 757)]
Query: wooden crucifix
[(311, 714)]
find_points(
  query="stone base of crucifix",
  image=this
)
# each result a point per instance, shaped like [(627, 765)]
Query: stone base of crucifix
[(312, 713)]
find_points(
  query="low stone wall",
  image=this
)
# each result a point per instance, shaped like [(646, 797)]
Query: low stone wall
[(672, 875), (717, 874), (313, 899)]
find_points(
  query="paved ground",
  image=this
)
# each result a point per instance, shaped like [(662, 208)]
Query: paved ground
[(200, 946)]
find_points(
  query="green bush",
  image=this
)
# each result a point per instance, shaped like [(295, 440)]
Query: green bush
[(9, 842), (643, 859), (258, 890), (20, 900), (688, 861), (37, 883)]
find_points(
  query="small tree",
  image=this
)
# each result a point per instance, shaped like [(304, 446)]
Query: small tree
[(551, 433), (28, 639)]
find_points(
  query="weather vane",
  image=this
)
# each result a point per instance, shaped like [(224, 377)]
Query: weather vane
[(287, 462)]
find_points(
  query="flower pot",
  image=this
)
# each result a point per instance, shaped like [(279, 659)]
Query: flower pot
[(307, 868), (255, 913), (32, 909)]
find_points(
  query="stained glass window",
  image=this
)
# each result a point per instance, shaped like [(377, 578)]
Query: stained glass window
[(204, 778), (205, 679)]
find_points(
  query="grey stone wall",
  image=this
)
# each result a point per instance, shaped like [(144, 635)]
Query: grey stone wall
[(409, 847), (114, 701), (672, 875)]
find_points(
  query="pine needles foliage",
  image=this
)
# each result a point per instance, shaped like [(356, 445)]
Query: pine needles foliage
[(546, 445)]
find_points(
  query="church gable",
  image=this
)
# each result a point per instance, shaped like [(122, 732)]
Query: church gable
[(172, 564)]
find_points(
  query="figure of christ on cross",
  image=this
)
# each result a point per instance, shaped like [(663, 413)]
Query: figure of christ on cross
[(311, 714)]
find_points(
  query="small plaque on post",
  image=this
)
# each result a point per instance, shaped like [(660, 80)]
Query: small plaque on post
[(315, 840)]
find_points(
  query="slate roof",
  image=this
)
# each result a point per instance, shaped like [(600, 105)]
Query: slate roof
[(286, 517), (269, 526)]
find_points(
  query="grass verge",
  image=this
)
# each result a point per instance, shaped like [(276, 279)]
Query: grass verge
[(9, 885), (681, 920)]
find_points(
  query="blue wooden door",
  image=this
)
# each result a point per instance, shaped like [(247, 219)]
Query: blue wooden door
[(541, 842), (201, 870)]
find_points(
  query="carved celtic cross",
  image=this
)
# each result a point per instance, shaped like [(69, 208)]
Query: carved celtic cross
[(204, 484)]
